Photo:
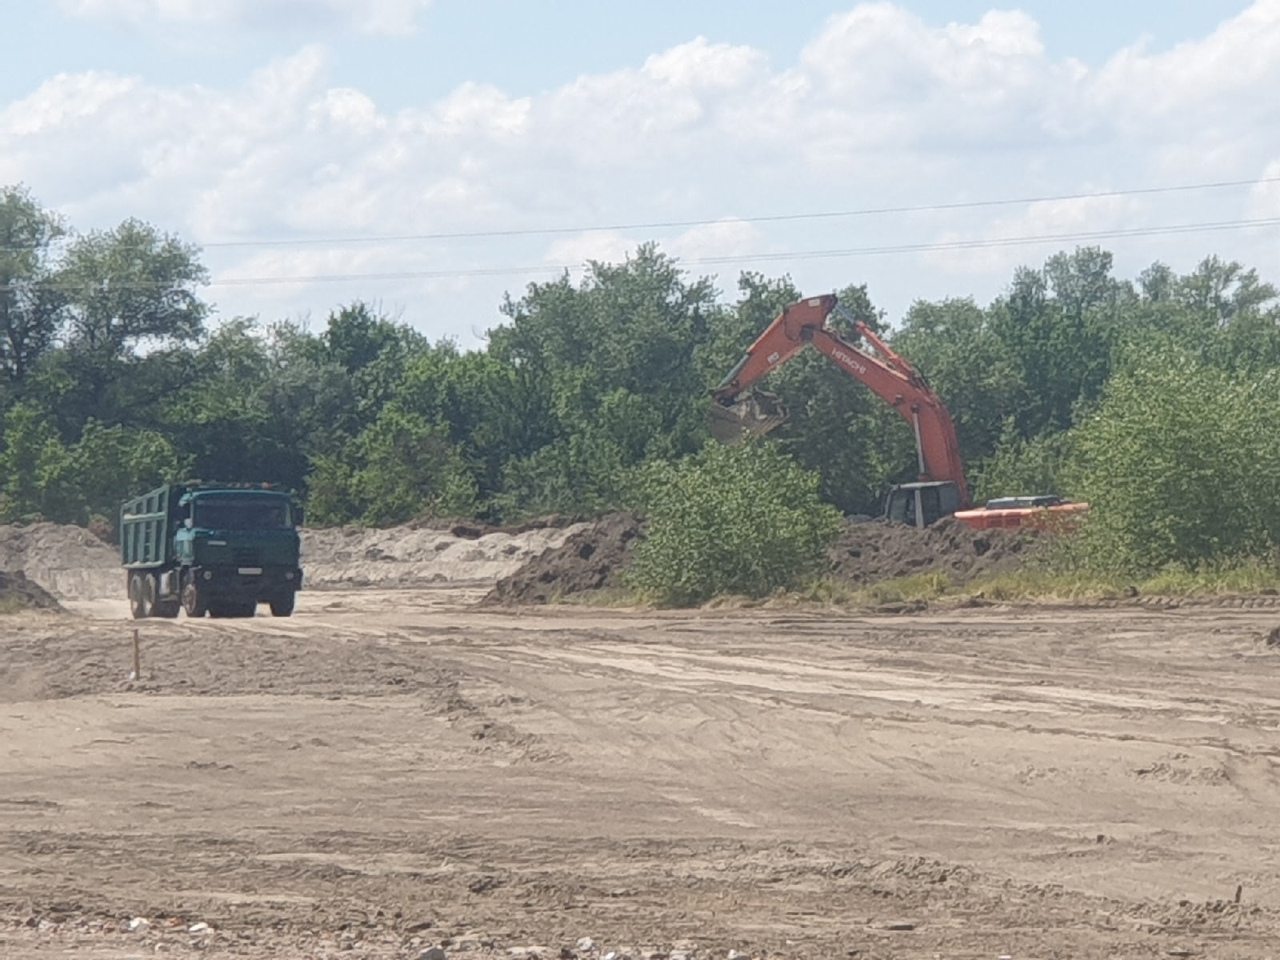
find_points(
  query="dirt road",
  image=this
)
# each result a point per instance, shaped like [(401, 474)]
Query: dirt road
[(389, 771)]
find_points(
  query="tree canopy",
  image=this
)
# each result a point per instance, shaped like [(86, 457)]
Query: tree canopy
[(1152, 397)]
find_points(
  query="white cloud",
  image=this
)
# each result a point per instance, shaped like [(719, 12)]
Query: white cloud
[(1003, 243), (607, 246), (367, 16), (1264, 199), (719, 240), (879, 111)]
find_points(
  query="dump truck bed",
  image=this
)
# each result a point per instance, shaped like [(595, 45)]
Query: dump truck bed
[(146, 528)]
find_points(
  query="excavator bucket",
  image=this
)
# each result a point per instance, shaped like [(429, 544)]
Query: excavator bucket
[(753, 416)]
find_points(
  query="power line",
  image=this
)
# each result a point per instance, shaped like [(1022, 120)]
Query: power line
[(975, 244), (775, 218), (767, 218), (771, 257)]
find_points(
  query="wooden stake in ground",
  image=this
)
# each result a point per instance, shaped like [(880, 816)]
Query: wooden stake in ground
[(137, 658)]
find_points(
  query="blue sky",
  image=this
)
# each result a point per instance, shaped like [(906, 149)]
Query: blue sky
[(525, 46), (306, 129)]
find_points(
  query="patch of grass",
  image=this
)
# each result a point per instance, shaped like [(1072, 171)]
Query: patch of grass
[(920, 586), (606, 597), (1251, 577), (1042, 584), (831, 592), (1036, 583)]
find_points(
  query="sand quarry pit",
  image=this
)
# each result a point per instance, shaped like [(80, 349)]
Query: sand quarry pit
[(397, 772)]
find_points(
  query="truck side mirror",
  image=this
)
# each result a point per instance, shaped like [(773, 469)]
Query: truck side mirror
[(298, 515)]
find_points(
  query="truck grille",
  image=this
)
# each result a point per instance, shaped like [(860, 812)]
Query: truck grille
[(246, 557)]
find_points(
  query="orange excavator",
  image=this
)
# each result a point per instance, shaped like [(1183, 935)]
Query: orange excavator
[(739, 411)]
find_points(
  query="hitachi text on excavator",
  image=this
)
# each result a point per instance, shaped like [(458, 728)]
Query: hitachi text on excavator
[(740, 411)]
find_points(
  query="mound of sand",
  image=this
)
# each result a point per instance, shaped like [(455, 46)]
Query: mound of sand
[(17, 591), (68, 562), (591, 558), (456, 553), (871, 551)]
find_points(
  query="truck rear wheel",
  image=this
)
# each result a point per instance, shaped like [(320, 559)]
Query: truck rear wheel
[(283, 606), (140, 599), (193, 598)]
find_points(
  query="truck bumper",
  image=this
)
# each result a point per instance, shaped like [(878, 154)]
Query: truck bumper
[(247, 583)]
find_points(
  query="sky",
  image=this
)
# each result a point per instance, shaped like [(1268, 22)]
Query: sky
[(433, 156)]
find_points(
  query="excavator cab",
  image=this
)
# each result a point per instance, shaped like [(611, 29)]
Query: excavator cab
[(922, 504)]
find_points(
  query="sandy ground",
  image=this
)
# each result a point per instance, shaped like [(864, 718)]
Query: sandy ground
[(390, 771)]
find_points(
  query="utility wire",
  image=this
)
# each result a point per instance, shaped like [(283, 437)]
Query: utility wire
[(777, 218), (674, 224), (976, 244), (772, 257)]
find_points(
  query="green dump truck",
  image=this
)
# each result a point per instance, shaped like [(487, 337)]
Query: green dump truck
[(211, 548)]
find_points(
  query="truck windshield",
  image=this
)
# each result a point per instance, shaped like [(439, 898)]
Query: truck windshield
[(240, 513)]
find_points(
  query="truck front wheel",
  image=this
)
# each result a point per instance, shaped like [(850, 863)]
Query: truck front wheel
[(193, 599), (283, 606)]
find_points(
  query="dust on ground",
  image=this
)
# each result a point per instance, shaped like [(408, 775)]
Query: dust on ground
[(395, 772), (383, 780)]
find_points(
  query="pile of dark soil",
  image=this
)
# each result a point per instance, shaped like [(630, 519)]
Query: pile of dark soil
[(17, 592), (866, 552), (870, 551), (590, 559)]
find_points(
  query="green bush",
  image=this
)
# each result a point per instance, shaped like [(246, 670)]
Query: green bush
[(730, 520), (1021, 467), (1181, 466)]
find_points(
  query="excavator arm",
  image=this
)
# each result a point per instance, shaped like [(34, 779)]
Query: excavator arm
[(739, 411)]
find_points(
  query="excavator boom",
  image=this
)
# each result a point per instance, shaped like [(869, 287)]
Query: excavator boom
[(739, 411)]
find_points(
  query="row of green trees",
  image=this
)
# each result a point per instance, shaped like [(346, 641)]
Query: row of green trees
[(1154, 398)]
